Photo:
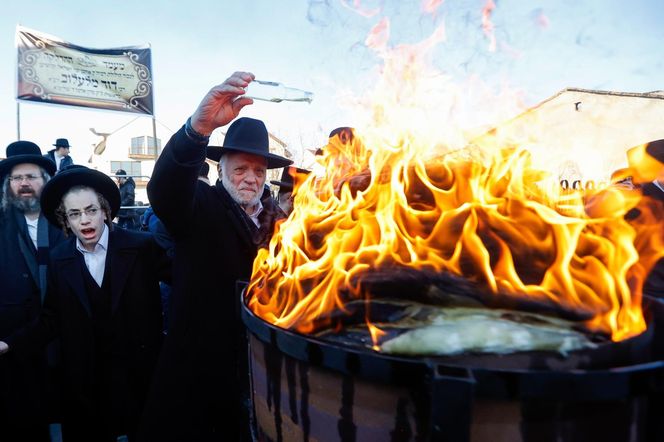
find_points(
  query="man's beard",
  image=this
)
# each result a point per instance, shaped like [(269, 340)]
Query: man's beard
[(235, 194), (25, 204)]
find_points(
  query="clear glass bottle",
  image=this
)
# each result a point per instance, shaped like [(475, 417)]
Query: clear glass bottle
[(276, 92)]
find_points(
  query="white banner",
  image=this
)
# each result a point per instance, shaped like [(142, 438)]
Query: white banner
[(53, 71)]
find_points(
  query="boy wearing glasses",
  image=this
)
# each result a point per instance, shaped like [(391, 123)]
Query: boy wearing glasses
[(103, 301)]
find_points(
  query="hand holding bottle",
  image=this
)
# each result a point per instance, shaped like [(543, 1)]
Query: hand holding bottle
[(221, 104)]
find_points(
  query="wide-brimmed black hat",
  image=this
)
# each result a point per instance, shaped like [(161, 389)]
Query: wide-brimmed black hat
[(62, 142), (250, 136), (20, 152), (214, 153), (286, 182), (345, 134), (73, 176)]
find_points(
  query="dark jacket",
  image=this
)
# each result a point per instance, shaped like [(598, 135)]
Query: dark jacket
[(654, 284), (151, 223), (196, 379), (127, 198), (22, 377), (112, 391), (66, 161)]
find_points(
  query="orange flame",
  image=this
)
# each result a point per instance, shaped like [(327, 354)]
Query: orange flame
[(413, 191), (376, 333), (359, 9), (487, 25), (430, 6), (379, 35)]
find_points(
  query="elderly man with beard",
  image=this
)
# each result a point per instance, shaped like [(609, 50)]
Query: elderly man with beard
[(25, 240), (197, 394)]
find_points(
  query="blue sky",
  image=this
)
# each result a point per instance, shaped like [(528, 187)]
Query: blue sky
[(542, 47)]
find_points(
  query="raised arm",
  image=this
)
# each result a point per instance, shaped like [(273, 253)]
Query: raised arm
[(173, 183)]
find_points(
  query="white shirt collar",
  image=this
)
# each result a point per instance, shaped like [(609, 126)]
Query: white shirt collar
[(257, 211), (102, 244)]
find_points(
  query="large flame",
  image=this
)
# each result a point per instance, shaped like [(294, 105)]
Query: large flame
[(409, 190)]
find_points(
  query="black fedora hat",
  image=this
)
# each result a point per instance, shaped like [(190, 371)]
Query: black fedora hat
[(345, 133), (287, 175), (62, 142), (77, 175), (20, 152), (249, 135), (656, 150), (214, 153)]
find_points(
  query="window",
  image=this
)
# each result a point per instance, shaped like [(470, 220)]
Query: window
[(131, 167), (154, 145), (137, 146), (145, 146)]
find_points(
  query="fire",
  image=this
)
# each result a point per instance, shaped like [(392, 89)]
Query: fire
[(376, 333), (487, 25), (409, 190)]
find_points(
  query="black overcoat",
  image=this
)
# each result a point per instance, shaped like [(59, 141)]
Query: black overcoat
[(22, 377), (127, 198), (136, 265), (196, 381), (66, 160), (654, 284)]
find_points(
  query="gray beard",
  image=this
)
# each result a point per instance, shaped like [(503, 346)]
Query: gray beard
[(232, 191), (23, 205)]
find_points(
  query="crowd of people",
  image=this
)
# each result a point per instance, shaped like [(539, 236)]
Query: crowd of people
[(114, 332)]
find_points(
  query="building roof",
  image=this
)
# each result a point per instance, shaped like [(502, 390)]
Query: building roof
[(586, 131)]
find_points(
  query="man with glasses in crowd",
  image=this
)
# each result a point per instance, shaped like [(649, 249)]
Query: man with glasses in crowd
[(25, 240), (103, 302)]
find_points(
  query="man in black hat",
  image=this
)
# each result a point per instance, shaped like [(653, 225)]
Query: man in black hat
[(217, 231), (127, 218), (646, 177), (285, 195), (103, 302), (60, 155), (647, 165), (25, 240), (203, 173)]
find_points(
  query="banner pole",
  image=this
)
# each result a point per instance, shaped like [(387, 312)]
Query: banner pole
[(18, 120), (154, 134)]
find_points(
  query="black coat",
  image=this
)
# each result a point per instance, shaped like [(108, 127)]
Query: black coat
[(134, 329), (196, 376), (127, 198), (22, 377), (66, 161), (654, 284)]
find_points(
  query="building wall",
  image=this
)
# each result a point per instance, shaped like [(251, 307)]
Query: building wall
[(579, 134)]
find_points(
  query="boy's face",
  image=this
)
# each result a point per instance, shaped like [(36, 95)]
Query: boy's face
[(85, 217)]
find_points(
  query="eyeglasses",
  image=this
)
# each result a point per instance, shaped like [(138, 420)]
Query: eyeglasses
[(30, 177), (75, 215)]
